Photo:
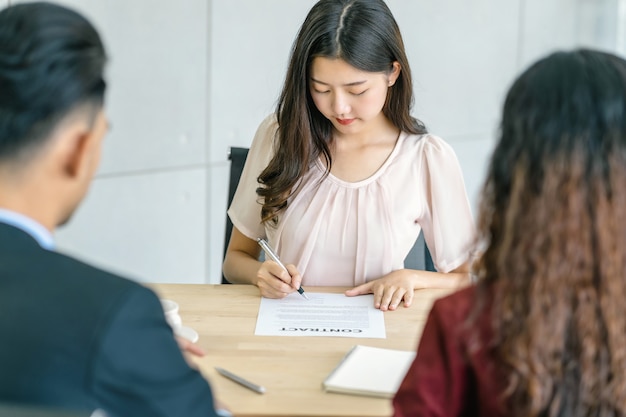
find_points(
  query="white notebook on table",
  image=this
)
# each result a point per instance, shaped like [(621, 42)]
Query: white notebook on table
[(370, 371)]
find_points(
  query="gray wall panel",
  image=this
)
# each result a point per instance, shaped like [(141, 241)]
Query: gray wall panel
[(150, 227), (157, 100), (566, 24), (250, 44)]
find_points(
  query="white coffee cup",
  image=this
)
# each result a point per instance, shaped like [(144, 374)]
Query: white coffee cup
[(170, 309)]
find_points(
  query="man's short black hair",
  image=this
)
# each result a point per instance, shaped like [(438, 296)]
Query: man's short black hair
[(51, 61)]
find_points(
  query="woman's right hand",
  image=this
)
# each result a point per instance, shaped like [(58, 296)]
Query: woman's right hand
[(275, 282), (241, 266)]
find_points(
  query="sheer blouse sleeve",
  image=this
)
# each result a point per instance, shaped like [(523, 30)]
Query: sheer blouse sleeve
[(245, 210), (447, 221)]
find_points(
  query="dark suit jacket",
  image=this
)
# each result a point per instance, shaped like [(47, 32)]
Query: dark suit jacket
[(452, 375), (74, 336)]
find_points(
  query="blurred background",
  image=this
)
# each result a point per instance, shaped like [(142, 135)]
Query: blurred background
[(190, 78)]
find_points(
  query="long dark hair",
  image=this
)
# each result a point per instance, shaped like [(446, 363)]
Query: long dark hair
[(553, 228), (363, 33), (51, 61)]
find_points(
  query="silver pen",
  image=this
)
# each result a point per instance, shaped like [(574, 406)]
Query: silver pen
[(270, 252), (240, 380)]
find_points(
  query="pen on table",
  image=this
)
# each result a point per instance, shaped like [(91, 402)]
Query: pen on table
[(270, 252), (240, 380)]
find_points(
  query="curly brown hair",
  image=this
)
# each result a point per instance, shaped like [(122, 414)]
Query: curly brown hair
[(552, 226)]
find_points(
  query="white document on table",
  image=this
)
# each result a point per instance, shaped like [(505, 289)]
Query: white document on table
[(322, 315)]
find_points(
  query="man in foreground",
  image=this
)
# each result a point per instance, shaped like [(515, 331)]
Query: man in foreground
[(73, 336)]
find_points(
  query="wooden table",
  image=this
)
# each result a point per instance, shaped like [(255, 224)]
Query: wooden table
[(291, 368)]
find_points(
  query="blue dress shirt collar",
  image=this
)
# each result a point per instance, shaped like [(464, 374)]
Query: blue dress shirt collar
[(28, 225)]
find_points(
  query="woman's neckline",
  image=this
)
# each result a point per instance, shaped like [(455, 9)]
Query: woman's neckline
[(355, 184)]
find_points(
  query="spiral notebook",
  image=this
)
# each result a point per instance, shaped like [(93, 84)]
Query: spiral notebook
[(370, 371)]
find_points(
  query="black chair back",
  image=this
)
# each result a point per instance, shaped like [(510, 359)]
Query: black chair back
[(419, 257), (237, 157)]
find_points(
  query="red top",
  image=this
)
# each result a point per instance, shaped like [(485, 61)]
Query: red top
[(452, 375)]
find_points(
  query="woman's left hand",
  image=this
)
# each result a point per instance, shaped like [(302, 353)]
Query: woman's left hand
[(390, 290), (398, 286)]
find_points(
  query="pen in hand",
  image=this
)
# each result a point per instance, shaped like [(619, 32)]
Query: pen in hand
[(270, 252)]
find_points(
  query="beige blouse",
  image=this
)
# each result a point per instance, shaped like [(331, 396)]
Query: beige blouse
[(340, 233)]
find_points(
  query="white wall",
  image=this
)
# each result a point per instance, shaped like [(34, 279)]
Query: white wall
[(189, 79)]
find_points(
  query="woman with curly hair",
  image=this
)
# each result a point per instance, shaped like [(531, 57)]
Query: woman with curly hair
[(544, 331)]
